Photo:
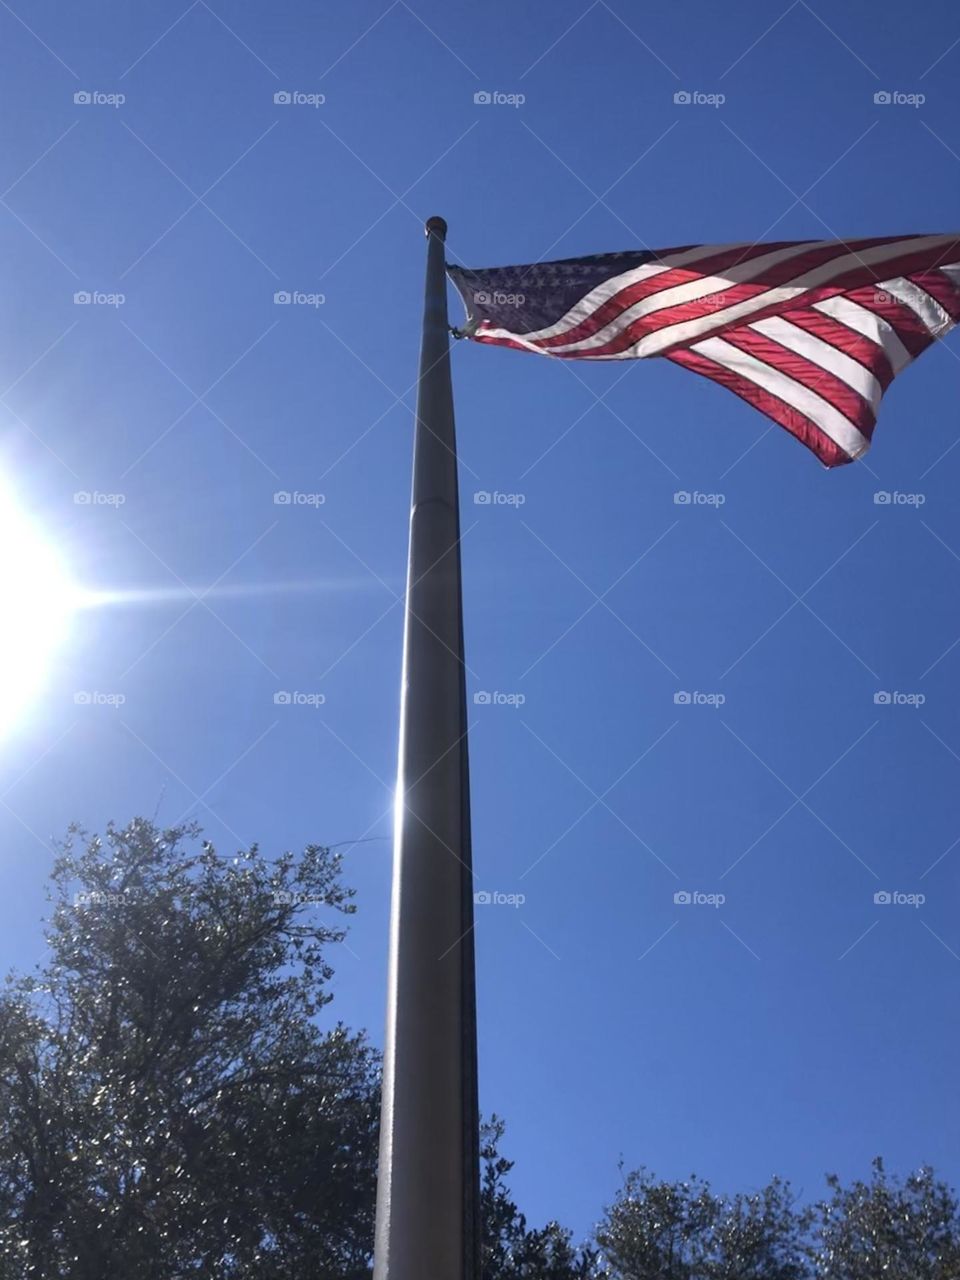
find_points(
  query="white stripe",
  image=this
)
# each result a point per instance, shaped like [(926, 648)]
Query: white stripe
[(824, 356), (840, 430), (691, 291), (933, 316), (609, 288), (868, 325), (652, 344), (687, 292), (953, 274)]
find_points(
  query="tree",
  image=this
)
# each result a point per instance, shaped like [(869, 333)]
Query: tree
[(168, 1105), (176, 1104), (510, 1250), (897, 1229), (683, 1231)]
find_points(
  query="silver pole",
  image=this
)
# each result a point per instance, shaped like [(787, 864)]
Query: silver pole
[(428, 1188)]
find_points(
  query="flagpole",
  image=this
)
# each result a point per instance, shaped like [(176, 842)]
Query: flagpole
[(428, 1185)]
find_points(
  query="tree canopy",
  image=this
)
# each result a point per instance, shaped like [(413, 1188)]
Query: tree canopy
[(176, 1101)]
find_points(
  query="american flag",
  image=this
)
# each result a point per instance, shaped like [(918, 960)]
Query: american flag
[(809, 332)]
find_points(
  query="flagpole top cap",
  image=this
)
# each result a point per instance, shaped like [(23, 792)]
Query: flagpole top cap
[(436, 226)]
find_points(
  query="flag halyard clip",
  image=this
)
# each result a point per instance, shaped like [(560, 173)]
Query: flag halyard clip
[(469, 328)]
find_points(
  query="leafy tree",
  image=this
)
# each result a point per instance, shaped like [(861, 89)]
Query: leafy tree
[(683, 1231), (896, 1229), (168, 1106), (511, 1251), (174, 1104)]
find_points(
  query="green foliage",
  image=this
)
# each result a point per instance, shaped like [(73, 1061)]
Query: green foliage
[(509, 1250), (174, 1104), (683, 1231), (168, 1105), (899, 1229), (882, 1230)]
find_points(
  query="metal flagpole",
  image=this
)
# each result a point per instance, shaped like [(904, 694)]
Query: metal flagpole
[(428, 1187)]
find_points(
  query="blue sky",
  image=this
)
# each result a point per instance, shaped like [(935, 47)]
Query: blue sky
[(798, 1027)]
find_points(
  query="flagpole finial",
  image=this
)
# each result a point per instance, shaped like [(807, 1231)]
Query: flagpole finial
[(436, 226)]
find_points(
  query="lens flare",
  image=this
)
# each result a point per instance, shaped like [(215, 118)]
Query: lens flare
[(38, 601)]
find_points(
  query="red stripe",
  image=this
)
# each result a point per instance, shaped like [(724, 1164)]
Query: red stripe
[(778, 274), (827, 385), (806, 431), (909, 328), (852, 344), (479, 336), (711, 264), (846, 283), (941, 288)]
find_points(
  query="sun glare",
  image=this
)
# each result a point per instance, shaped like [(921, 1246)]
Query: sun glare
[(37, 600)]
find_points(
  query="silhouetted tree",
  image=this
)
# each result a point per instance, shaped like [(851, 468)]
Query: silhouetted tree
[(174, 1104), (168, 1105), (511, 1251), (888, 1228), (683, 1231)]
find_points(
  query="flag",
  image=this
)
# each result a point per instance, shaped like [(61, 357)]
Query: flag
[(811, 332)]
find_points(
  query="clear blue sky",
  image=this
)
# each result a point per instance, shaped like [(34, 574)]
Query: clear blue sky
[(797, 1028)]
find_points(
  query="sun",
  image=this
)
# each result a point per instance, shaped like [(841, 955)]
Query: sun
[(38, 600)]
